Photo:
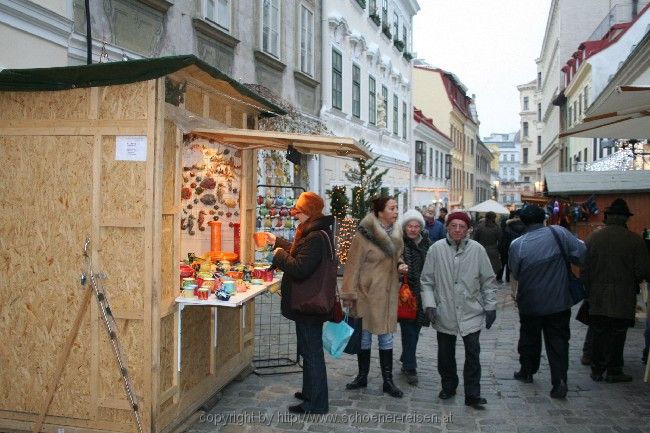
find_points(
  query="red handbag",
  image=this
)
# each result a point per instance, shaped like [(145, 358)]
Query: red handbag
[(407, 304)]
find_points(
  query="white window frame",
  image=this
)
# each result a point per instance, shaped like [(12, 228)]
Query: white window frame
[(270, 46), (306, 40), (212, 13)]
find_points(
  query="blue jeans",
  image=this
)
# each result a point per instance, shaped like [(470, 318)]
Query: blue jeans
[(410, 335), (314, 373), (385, 340)]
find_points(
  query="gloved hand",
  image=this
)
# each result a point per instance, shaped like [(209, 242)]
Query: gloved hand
[(490, 317), (430, 313)]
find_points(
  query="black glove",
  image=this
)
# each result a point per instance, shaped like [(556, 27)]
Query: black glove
[(490, 317), (430, 314)]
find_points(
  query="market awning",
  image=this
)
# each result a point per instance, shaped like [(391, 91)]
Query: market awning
[(624, 114), (490, 206), (304, 143)]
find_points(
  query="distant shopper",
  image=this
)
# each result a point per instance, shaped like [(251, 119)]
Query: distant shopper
[(434, 228), (488, 234), (514, 228), (458, 295), (371, 287), (543, 296), (442, 215), (617, 261), (416, 245)]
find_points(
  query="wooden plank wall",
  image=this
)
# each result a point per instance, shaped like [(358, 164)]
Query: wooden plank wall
[(60, 183)]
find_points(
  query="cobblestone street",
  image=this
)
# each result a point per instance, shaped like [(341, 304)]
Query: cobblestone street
[(259, 403)]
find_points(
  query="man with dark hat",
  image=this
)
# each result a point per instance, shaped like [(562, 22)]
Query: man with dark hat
[(617, 261), (543, 296), (458, 290)]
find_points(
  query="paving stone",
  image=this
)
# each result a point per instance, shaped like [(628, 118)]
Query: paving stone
[(513, 407)]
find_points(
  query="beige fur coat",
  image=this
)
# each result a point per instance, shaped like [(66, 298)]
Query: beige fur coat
[(371, 278)]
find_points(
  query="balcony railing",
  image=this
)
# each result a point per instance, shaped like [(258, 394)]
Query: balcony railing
[(621, 13)]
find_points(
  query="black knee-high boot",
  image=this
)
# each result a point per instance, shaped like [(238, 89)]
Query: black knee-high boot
[(361, 381), (386, 363)]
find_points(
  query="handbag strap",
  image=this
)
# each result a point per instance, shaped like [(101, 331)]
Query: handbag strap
[(329, 244), (559, 244)]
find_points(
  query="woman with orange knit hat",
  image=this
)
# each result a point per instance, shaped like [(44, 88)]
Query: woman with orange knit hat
[(299, 261)]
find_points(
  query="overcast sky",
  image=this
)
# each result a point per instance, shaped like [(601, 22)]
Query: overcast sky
[(491, 46)]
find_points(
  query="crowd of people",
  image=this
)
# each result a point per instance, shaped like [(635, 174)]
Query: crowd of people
[(454, 268)]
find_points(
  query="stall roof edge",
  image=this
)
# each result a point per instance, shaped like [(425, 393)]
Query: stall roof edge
[(587, 182), (107, 74)]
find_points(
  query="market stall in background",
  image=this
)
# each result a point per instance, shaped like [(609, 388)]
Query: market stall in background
[(111, 175)]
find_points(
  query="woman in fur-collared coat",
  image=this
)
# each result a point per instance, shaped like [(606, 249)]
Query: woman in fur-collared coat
[(371, 287)]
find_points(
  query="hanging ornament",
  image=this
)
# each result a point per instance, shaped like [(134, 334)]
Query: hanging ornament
[(556, 207)]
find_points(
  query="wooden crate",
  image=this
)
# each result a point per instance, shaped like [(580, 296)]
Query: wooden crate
[(59, 183)]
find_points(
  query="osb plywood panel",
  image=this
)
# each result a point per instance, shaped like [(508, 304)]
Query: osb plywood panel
[(122, 259), (194, 100), (237, 116), (118, 416), (168, 261), (217, 107), (195, 363), (122, 184), (44, 218), (68, 104), (126, 101), (169, 174), (167, 360), (229, 329), (130, 335)]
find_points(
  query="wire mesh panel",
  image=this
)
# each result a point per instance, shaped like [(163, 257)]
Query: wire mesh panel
[(276, 351)]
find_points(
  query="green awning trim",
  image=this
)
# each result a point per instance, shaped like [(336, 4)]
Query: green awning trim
[(108, 74)]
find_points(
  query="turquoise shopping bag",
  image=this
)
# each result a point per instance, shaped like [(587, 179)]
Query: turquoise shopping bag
[(336, 337)]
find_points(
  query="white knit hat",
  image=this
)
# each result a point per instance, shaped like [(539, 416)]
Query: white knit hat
[(412, 215)]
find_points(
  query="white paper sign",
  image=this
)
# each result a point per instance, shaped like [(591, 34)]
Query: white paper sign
[(131, 148)]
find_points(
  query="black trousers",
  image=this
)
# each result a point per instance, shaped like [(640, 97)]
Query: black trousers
[(447, 363), (556, 331), (607, 348)]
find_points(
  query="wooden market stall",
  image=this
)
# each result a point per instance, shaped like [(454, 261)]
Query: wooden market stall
[(598, 189), (95, 153)]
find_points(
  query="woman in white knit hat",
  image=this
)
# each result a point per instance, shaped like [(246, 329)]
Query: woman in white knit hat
[(416, 245)]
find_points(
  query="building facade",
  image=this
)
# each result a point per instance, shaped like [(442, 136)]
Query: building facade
[(442, 97), (569, 23), (509, 185), (586, 73), (431, 163), (483, 172), (366, 93), (530, 115)]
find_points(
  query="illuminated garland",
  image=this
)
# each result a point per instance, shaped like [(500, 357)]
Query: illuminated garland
[(347, 228)]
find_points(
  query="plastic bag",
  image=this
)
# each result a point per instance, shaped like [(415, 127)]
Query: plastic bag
[(336, 337)]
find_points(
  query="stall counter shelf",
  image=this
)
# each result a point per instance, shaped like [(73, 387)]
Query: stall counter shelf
[(236, 300)]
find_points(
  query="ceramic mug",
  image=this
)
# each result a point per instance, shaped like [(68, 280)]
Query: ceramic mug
[(229, 286)]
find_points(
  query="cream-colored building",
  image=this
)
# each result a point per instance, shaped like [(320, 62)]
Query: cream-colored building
[(442, 97), (530, 115)]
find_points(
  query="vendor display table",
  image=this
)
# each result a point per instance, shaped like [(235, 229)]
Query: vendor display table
[(239, 299)]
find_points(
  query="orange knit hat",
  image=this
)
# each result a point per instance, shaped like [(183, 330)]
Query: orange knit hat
[(310, 204)]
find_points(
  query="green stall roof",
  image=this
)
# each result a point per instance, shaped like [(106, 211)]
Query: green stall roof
[(108, 74)]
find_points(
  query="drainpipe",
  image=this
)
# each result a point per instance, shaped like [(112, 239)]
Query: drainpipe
[(89, 36)]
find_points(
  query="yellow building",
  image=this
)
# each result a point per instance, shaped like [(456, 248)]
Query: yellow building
[(442, 97)]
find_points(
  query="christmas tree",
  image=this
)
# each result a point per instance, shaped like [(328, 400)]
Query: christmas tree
[(338, 202), (367, 178)]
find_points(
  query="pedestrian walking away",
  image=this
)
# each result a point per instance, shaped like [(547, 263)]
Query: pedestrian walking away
[(512, 230), (488, 234), (371, 285), (458, 289), (617, 261), (416, 245), (543, 296), (299, 261)]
